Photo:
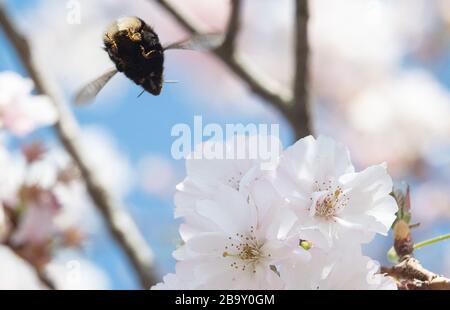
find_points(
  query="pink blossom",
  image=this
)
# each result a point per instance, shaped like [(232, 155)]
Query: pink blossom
[(20, 111)]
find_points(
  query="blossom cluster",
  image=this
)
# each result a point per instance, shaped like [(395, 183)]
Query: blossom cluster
[(296, 222), (20, 111), (35, 184)]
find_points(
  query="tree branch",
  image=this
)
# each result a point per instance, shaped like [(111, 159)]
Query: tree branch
[(120, 224), (46, 280), (411, 275), (229, 44), (301, 117), (259, 83)]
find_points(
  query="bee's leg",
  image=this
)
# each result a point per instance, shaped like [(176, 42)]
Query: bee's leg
[(135, 36), (113, 43), (147, 55)]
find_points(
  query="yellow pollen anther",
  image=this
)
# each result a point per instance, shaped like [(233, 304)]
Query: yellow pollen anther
[(245, 250)]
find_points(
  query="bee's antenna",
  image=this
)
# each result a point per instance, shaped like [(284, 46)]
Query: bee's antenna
[(143, 91)]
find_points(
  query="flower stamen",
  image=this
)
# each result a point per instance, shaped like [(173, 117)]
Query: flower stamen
[(331, 202), (246, 251)]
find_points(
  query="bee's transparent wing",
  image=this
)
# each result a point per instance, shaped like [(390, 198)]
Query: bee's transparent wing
[(201, 42), (88, 92)]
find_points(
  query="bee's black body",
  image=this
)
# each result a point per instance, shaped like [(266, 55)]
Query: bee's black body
[(136, 51)]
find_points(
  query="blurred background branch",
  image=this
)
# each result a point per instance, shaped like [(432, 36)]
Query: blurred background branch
[(229, 44), (301, 118), (120, 224), (293, 105)]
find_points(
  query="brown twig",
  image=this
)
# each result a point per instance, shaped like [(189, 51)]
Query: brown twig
[(260, 84), (411, 275), (120, 224)]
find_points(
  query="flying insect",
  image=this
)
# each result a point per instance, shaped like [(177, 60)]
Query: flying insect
[(135, 49)]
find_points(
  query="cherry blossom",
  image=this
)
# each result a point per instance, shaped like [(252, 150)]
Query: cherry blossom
[(343, 268), (298, 224), (32, 204), (247, 237), (20, 111), (235, 164), (318, 180), (182, 279), (407, 114), (12, 168)]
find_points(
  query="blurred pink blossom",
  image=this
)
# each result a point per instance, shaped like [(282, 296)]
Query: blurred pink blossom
[(158, 176), (398, 119), (20, 111), (11, 178), (431, 202), (37, 224)]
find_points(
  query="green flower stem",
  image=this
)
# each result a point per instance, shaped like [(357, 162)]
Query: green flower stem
[(392, 255), (431, 241)]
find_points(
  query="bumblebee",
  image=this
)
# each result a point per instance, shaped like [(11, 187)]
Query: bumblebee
[(135, 49)]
